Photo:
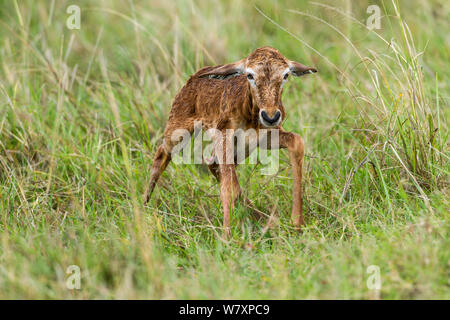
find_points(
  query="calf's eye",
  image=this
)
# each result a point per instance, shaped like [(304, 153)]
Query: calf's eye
[(250, 76), (286, 76)]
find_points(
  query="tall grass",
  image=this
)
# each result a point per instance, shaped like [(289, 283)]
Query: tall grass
[(398, 124), (81, 112)]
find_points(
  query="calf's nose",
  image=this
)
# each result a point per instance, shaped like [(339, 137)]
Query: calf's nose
[(271, 119)]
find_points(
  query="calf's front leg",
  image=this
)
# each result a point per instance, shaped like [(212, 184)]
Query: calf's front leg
[(229, 191), (296, 147), (226, 173)]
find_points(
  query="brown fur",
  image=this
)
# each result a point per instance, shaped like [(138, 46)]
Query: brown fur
[(222, 97)]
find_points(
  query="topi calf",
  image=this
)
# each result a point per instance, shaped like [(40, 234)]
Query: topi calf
[(241, 95)]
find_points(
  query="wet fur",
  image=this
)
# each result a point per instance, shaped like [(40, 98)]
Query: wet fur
[(221, 97)]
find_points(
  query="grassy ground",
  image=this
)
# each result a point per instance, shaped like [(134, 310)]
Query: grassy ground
[(82, 111)]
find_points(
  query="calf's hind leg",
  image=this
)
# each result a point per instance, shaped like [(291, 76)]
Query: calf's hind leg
[(160, 162), (163, 153)]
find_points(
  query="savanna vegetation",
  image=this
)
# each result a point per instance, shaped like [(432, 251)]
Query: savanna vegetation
[(82, 111)]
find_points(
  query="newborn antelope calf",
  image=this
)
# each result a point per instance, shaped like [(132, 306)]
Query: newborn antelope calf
[(241, 95)]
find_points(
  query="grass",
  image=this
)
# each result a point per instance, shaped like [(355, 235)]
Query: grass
[(82, 111)]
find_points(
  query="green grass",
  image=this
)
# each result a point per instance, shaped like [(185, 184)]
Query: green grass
[(82, 111)]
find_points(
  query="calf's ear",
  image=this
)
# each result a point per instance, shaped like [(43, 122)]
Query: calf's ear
[(298, 69), (223, 71)]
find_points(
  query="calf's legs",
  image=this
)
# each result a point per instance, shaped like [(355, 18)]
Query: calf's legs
[(229, 184)]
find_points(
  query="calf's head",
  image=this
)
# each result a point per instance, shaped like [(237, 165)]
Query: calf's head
[(266, 70)]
